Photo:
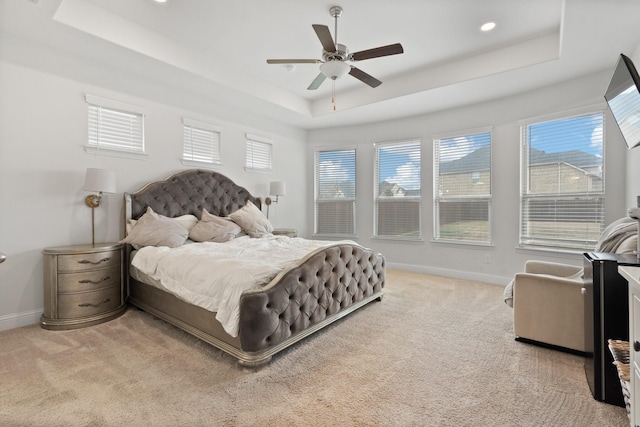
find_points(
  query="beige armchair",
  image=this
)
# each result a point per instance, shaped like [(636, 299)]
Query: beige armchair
[(547, 300), (548, 306)]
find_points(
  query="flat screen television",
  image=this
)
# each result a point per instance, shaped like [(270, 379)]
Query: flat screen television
[(623, 99)]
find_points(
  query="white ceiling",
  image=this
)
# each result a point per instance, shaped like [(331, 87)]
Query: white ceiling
[(447, 61)]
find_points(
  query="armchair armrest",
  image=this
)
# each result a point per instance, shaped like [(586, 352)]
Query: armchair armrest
[(553, 269), (549, 309)]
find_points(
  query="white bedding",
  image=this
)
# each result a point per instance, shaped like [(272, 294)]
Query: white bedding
[(214, 275)]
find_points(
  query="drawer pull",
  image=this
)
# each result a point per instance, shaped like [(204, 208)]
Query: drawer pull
[(94, 282), (87, 304), (636, 346), (86, 261)]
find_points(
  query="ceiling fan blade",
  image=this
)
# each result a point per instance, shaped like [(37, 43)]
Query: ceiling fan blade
[(293, 61), (364, 77), (323, 33), (315, 84), (376, 52)]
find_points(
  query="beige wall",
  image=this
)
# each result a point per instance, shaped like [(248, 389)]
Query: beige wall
[(43, 127), (495, 263)]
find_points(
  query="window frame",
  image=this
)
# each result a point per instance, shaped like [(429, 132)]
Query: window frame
[(251, 142), (378, 199), (568, 245), (478, 198), (204, 128), (352, 200), (95, 104)]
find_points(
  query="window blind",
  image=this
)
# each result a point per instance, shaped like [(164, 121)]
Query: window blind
[(201, 142), (115, 126), (335, 192), (462, 188), (397, 189), (562, 182), (259, 152)]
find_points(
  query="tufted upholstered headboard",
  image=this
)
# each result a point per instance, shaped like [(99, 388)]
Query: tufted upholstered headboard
[(188, 192)]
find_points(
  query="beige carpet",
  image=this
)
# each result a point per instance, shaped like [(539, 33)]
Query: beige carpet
[(434, 352)]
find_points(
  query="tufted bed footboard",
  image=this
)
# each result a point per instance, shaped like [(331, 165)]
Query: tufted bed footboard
[(324, 286)]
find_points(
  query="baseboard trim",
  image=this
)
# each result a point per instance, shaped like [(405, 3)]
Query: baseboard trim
[(26, 318), (457, 274), (18, 320)]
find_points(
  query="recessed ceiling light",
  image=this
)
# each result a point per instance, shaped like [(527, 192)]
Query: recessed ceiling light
[(160, 1), (488, 26)]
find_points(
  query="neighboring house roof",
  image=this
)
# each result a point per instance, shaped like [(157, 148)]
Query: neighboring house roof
[(575, 158), (480, 159), (388, 188), (476, 160)]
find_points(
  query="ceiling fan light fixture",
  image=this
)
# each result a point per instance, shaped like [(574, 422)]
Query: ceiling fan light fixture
[(334, 69)]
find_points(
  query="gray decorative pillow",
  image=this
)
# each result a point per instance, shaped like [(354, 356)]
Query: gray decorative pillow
[(153, 229), (212, 228), (252, 220)]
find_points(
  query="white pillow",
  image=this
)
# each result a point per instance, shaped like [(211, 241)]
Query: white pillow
[(153, 229), (188, 221), (252, 220), (212, 228)]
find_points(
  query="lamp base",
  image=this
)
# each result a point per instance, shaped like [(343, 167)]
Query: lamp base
[(92, 200)]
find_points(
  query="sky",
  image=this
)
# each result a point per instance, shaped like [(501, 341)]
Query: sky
[(583, 133), (399, 163)]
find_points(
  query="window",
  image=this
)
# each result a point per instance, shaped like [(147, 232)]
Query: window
[(462, 187), (258, 153), (397, 190), (114, 127), (562, 182), (335, 192), (201, 143)]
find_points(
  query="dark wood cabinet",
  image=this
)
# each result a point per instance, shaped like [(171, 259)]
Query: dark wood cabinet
[(606, 317)]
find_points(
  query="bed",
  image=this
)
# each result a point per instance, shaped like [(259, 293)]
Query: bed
[(321, 287)]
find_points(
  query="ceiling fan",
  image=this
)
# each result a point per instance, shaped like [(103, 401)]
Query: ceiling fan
[(335, 56)]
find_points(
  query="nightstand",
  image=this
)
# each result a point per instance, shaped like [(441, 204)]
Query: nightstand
[(289, 232), (83, 285)]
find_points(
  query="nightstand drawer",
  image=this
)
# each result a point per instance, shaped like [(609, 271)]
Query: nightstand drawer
[(88, 261), (88, 280), (71, 306)]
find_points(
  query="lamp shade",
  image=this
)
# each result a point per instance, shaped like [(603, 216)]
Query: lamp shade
[(334, 69), (101, 180), (277, 188)]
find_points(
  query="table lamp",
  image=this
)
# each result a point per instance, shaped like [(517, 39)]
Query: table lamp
[(100, 181)]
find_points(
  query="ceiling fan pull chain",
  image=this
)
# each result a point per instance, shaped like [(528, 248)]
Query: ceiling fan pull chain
[(333, 94)]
